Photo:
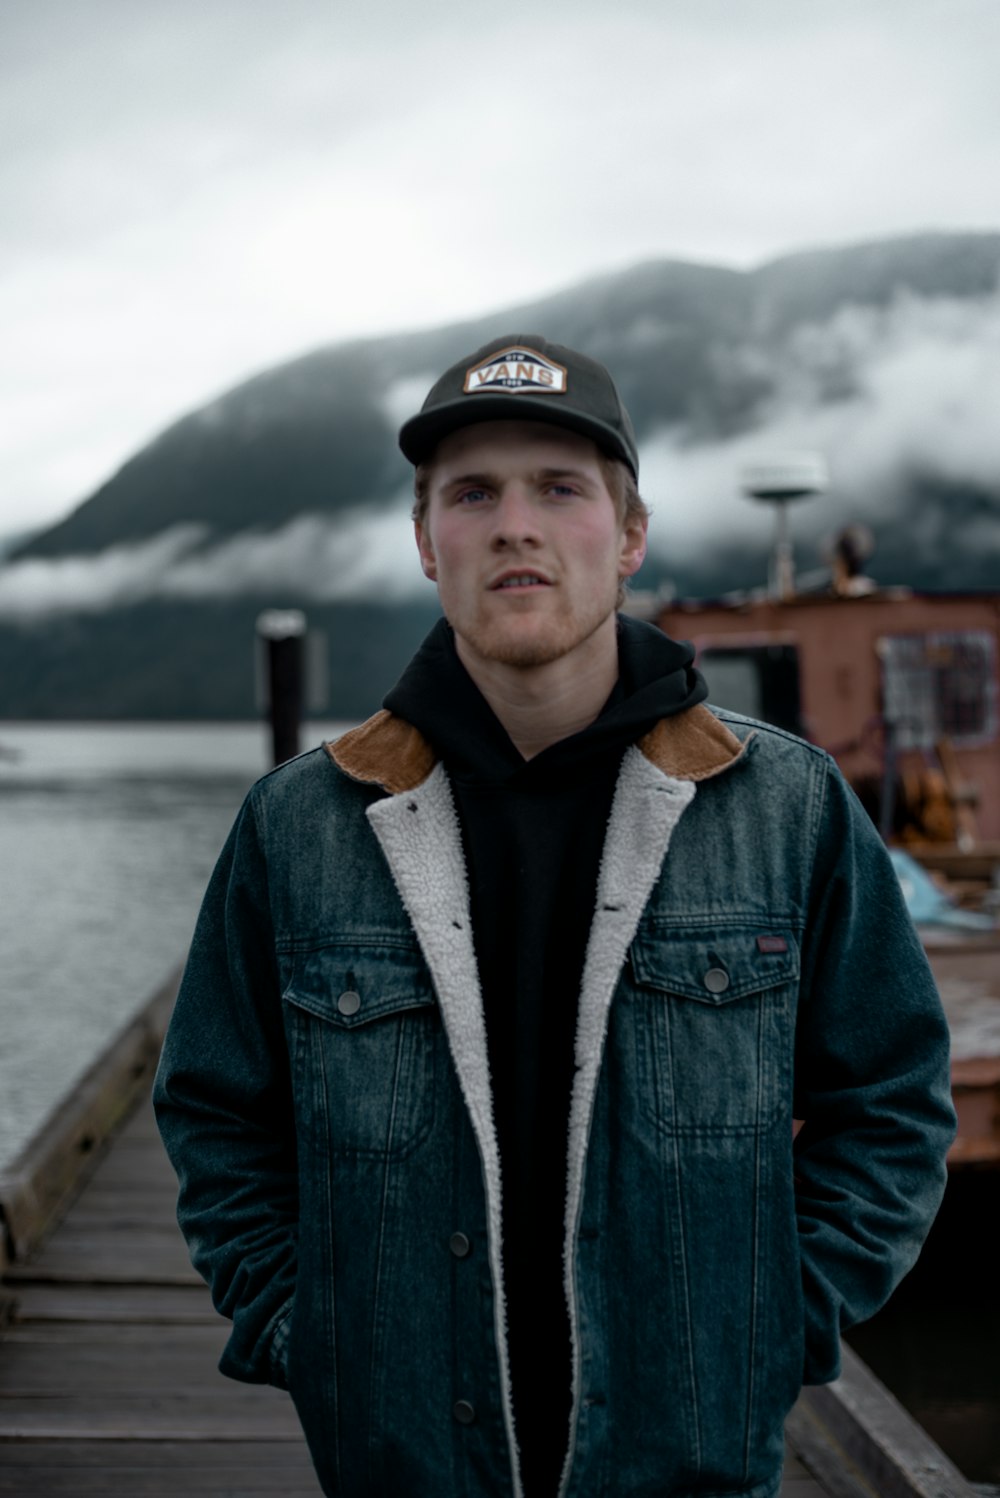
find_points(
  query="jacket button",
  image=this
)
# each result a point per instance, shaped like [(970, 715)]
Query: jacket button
[(463, 1411), (716, 980), (459, 1245), (349, 1002)]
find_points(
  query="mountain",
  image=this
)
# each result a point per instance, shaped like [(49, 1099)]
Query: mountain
[(290, 490), (16, 541)]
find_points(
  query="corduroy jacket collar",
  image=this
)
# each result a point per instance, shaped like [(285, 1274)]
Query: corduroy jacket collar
[(388, 751)]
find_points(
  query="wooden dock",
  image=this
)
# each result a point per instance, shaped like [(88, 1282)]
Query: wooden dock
[(108, 1351), (108, 1376), (108, 1380)]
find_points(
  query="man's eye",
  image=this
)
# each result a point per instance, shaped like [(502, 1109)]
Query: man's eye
[(472, 496), (562, 491)]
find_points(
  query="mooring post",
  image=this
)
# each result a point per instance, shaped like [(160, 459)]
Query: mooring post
[(281, 633)]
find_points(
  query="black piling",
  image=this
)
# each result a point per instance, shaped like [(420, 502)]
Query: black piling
[(281, 635)]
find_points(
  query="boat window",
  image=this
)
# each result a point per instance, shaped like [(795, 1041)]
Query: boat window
[(761, 681), (939, 686)]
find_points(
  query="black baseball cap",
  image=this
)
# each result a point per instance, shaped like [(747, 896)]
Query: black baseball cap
[(524, 377)]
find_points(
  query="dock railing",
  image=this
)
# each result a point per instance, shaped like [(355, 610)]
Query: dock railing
[(38, 1184)]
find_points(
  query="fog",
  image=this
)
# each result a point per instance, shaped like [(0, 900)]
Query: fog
[(887, 395), (312, 557)]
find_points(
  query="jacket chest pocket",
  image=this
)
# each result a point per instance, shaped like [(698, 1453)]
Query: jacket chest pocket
[(714, 1026), (364, 1035)]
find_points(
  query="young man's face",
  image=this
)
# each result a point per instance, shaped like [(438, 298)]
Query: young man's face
[(523, 540)]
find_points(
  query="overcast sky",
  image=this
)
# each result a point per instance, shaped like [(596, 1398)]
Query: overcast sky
[(192, 190)]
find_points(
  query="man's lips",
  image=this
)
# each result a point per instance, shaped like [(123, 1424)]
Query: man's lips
[(519, 578)]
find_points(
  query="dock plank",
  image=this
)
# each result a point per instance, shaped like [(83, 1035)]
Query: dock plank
[(152, 1258), (207, 1454), (148, 1469), (149, 1305)]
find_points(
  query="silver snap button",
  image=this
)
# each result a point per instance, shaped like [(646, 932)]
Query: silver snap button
[(349, 1002), (716, 980), (459, 1245), (463, 1411)]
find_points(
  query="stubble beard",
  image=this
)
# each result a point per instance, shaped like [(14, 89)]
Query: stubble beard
[(526, 652)]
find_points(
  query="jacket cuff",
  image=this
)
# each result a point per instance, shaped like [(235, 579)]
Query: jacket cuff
[(278, 1352)]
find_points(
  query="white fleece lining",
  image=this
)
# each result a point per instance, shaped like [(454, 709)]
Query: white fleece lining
[(419, 834), (646, 808)]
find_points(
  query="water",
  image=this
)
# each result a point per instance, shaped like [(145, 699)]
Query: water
[(108, 834)]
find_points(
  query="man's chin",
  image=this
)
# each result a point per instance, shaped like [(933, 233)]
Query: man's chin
[(527, 649), (523, 654)]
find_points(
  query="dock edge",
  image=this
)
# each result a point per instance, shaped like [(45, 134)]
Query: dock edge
[(51, 1167)]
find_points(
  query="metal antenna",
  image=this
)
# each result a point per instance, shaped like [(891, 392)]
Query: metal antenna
[(792, 476)]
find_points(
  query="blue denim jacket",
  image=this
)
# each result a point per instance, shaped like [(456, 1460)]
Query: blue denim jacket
[(324, 1095)]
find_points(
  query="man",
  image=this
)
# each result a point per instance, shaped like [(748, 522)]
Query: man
[(481, 1081)]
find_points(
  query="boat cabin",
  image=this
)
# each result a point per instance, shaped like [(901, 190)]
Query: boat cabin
[(902, 688)]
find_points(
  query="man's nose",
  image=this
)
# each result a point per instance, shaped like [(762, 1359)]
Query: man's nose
[(515, 518)]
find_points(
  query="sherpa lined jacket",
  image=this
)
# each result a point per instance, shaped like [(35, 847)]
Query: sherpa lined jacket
[(324, 1094)]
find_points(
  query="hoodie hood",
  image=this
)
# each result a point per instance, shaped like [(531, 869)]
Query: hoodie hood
[(656, 679)]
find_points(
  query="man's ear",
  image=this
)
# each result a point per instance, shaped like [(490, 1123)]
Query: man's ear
[(428, 561), (633, 545)]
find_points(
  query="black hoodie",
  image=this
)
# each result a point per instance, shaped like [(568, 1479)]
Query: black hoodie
[(533, 832)]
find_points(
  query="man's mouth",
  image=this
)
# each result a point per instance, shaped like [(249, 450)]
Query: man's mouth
[(520, 580)]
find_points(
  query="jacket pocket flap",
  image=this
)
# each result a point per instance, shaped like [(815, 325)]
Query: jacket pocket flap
[(714, 967), (352, 984)]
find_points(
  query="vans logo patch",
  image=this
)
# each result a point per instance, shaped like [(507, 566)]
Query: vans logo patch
[(517, 369)]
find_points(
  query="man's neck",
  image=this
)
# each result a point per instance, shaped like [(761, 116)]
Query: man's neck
[(540, 705)]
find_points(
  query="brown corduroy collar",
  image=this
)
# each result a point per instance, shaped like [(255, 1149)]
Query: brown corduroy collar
[(390, 752)]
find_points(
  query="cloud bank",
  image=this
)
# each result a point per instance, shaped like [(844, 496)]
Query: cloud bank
[(892, 397), (358, 556)]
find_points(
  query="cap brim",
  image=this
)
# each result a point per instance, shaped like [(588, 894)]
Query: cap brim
[(420, 435)]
